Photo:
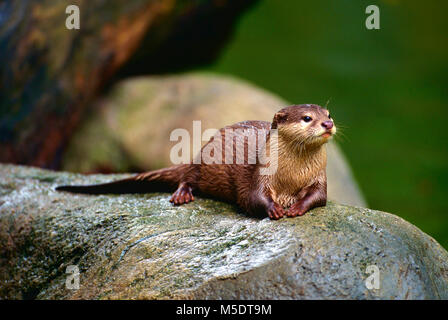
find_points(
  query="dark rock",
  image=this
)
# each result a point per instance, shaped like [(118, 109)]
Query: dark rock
[(49, 74)]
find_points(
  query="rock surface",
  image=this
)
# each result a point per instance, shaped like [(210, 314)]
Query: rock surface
[(49, 74), (130, 128), (139, 246)]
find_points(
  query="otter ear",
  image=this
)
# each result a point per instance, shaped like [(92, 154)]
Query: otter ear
[(279, 117)]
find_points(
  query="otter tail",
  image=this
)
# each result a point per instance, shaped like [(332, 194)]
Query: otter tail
[(163, 180)]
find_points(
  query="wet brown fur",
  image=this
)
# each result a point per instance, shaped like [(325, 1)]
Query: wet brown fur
[(299, 183)]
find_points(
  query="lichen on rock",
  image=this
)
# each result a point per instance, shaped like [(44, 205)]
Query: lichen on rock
[(141, 247)]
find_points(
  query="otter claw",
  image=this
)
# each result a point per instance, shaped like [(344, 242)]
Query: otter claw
[(276, 212), (295, 210)]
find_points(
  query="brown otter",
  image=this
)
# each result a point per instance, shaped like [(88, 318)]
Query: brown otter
[(298, 181)]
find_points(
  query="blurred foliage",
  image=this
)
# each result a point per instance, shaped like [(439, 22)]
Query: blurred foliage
[(386, 89)]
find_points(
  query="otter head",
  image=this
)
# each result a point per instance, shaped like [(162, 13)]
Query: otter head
[(304, 125)]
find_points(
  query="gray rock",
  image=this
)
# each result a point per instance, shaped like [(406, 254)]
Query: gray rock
[(139, 246)]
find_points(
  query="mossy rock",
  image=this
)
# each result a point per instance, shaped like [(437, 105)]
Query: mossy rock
[(141, 247)]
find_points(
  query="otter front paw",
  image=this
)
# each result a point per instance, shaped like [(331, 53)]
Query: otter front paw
[(297, 209), (275, 211)]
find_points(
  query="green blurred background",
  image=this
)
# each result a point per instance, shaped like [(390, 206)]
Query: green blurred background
[(387, 90)]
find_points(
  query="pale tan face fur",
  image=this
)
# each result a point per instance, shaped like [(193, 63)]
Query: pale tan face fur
[(301, 153), (307, 135)]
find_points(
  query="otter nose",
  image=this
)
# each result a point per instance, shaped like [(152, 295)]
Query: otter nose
[(327, 124)]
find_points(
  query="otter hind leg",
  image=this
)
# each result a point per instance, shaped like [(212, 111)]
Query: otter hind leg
[(183, 194)]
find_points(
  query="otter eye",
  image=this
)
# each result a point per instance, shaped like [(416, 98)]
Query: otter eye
[(329, 116), (307, 119)]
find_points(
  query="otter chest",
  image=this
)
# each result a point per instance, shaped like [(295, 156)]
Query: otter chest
[(289, 180)]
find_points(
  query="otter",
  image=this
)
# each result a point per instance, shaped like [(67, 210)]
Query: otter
[(297, 184)]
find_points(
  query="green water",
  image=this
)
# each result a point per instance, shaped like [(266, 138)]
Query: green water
[(387, 90)]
